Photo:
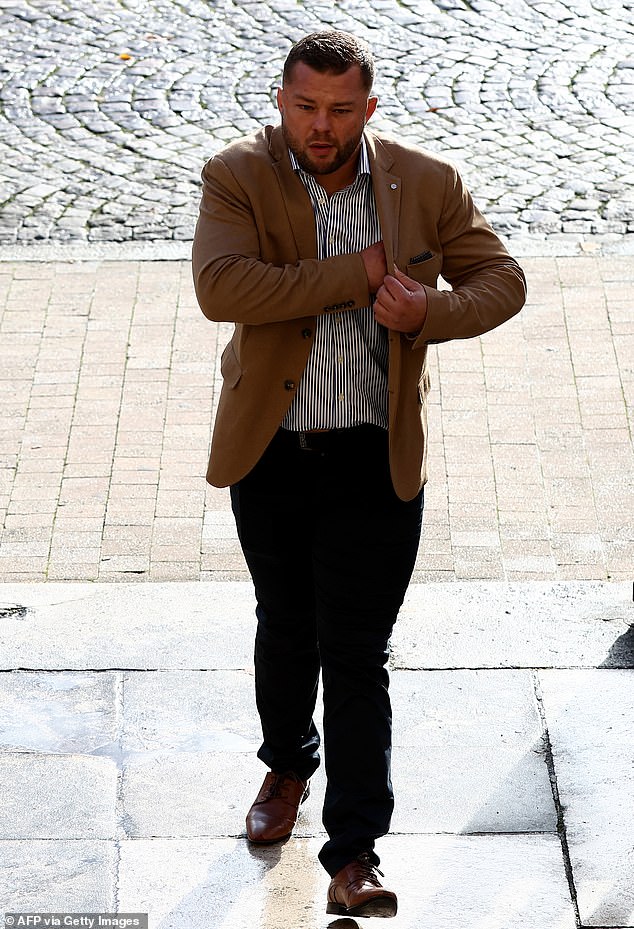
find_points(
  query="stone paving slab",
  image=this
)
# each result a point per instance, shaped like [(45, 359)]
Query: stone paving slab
[(65, 712), (210, 625), (442, 881), (101, 626), (57, 796), (488, 719), (469, 753), (214, 712), (167, 794), (57, 876), (590, 720), (533, 625)]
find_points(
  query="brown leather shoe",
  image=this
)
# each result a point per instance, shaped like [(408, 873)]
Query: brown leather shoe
[(357, 891), (274, 813)]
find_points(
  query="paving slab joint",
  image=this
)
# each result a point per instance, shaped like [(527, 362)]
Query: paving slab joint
[(116, 877), (559, 809), (120, 812), (116, 750)]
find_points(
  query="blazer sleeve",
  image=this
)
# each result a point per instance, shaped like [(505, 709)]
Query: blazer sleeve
[(488, 285), (232, 279)]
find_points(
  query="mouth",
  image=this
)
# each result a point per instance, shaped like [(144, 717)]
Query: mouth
[(321, 148)]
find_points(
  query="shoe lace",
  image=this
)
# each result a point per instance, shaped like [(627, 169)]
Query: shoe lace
[(278, 788), (369, 869)]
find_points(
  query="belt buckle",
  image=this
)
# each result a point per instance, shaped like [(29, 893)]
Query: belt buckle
[(303, 441)]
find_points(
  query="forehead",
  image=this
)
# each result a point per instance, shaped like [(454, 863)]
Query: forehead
[(306, 81)]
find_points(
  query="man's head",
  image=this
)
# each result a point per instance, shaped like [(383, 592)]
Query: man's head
[(332, 51), (325, 103)]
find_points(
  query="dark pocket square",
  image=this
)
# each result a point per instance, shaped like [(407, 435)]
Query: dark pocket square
[(424, 256)]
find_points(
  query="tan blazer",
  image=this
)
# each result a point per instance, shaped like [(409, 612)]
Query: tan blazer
[(255, 264)]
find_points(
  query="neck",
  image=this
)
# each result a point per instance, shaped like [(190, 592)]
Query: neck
[(341, 178)]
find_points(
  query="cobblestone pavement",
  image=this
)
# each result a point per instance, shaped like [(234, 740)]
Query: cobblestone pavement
[(109, 109), (109, 375)]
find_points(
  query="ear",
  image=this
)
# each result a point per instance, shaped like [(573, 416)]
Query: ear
[(372, 102), (280, 99)]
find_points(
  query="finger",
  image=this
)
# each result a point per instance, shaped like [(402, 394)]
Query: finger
[(383, 302), (386, 297), (380, 316), (380, 309), (379, 298), (394, 287), (407, 282)]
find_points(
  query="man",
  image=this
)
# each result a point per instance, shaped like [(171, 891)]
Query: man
[(323, 243)]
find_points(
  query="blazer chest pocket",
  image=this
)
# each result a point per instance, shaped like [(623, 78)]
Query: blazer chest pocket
[(424, 268), (230, 367)]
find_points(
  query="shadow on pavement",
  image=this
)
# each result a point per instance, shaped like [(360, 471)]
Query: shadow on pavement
[(621, 654)]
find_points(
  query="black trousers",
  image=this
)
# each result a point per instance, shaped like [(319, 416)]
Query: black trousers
[(331, 550)]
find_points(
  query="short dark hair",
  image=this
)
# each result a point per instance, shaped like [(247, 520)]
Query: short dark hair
[(332, 51)]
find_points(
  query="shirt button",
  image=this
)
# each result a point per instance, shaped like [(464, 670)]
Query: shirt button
[(289, 385), (306, 333)]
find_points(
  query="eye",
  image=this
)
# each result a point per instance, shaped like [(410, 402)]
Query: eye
[(340, 111)]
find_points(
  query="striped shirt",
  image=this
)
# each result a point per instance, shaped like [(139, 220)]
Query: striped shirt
[(345, 381)]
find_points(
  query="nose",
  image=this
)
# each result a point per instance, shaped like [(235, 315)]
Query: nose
[(321, 121)]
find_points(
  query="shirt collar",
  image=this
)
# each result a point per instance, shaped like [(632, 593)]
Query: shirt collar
[(362, 168)]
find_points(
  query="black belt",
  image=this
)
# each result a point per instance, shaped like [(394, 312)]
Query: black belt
[(319, 440), (316, 440)]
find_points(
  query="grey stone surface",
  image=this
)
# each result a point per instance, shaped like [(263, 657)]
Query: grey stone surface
[(215, 712), (57, 796), (200, 794), (104, 626), (442, 881), (210, 625), (168, 794), (536, 624), (456, 734), (179, 755), (469, 753), (126, 788), (57, 876), (590, 718), (108, 111), (62, 712)]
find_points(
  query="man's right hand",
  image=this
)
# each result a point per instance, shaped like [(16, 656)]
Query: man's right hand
[(375, 265)]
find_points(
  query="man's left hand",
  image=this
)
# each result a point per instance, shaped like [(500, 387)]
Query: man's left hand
[(401, 303)]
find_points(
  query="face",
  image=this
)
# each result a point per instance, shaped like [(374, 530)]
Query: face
[(323, 116)]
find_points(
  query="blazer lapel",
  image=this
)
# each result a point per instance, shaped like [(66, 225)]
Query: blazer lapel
[(387, 194), (295, 196)]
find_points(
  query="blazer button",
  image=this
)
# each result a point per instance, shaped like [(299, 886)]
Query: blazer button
[(289, 385), (306, 333)]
